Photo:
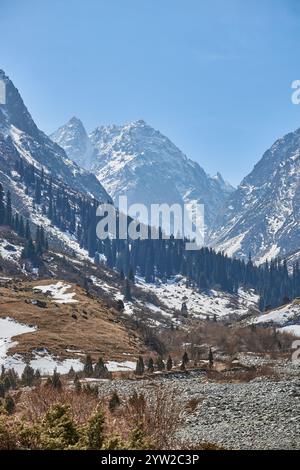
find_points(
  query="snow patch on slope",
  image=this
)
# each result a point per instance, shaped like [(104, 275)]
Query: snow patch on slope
[(58, 292)]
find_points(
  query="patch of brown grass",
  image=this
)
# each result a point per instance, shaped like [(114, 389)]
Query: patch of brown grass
[(89, 325), (229, 339), (192, 404), (241, 375)]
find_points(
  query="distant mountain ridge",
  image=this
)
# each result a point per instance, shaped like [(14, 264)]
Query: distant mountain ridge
[(19, 131), (138, 161), (262, 216)]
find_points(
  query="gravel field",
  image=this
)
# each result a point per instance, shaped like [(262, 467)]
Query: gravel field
[(261, 414)]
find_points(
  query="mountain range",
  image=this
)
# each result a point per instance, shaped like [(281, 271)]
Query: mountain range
[(260, 217), (140, 162)]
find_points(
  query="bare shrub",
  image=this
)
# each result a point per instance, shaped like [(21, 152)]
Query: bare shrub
[(242, 374), (230, 339), (35, 403), (158, 417)]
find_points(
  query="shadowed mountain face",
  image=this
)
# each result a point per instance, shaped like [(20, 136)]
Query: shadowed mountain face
[(19, 136), (263, 214), (138, 161)]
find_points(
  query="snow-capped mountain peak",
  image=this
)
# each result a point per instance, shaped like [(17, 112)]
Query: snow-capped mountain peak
[(263, 214), (140, 162), (20, 137), (75, 141)]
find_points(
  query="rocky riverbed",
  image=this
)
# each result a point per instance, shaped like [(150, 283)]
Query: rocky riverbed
[(260, 414)]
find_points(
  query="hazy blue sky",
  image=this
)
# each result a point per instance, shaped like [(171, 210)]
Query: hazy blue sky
[(213, 75)]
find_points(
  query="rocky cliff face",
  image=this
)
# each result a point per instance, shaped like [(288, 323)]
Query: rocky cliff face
[(19, 134), (263, 214)]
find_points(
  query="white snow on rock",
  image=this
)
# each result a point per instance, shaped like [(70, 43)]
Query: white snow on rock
[(114, 293), (286, 318), (58, 292), (47, 363), (114, 366), (44, 362), (174, 292), (290, 313), (292, 329), (10, 251)]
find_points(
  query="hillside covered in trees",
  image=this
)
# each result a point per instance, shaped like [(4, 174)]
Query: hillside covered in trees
[(75, 214)]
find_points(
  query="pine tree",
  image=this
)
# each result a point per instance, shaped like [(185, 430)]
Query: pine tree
[(71, 373), (95, 431), (100, 370), (169, 363), (21, 227), (140, 368), (77, 384), (184, 310), (88, 366), (8, 211), (114, 402), (37, 376), (27, 230), (2, 206), (28, 376), (150, 365), (131, 276), (127, 290), (210, 358), (55, 381), (160, 364), (29, 250), (9, 404), (37, 191), (185, 358)]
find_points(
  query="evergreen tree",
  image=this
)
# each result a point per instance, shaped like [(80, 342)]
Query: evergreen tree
[(2, 390), (27, 230), (2, 206), (8, 211), (169, 363), (9, 404), (88, 366), (127, 290), (28, 376), (77, 384), (160, 364), (29, 250), (100, 370), (37, 191), (54, 381), (114, 402), (95, 431), (185, 358), (140, 368), (131, 276), (150, 365), (210, 358), (71, 373)]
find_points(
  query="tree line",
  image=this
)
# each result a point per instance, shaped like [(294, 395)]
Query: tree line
[(161, 258)]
